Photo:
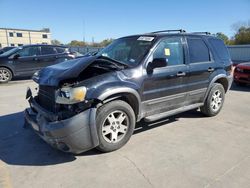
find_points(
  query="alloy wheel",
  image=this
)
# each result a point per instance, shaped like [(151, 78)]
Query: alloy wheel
[(216, 100), (4, 75), (115, 126)]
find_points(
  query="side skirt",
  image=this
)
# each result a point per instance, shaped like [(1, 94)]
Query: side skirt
[(172, 112)]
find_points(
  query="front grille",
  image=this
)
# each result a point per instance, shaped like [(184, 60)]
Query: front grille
[(46, 98), (246, 71)]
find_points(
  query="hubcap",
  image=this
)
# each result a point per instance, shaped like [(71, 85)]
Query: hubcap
[(115, 126), (4, 75), (216, 100)]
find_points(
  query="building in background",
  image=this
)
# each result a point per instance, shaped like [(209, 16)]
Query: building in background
[(19, 37)]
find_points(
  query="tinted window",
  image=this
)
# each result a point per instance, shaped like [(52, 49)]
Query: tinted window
[(171, 49), (60, 50), (198, 50), (220, 48), (45, 36), (29, 51), (47, 50), (11, 34), (128, 50), (19, 34)]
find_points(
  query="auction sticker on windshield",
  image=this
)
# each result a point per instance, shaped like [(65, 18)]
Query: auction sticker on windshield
[(143, 38)]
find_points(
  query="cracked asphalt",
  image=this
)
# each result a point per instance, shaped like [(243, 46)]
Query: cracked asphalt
[(187, 150)]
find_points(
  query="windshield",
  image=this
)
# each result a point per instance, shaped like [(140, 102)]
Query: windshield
[(129, 50), (9, 52)]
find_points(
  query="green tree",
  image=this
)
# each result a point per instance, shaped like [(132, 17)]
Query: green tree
[(106, 42), (223, 37), (56, 42), (242, 36), (77, 43)]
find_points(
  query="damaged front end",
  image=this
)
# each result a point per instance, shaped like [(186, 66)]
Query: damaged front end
[(61, 112)]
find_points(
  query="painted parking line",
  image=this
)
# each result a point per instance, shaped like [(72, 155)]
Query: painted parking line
[(5, 181)]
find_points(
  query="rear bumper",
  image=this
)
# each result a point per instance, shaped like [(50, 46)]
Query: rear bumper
[(75, 135)]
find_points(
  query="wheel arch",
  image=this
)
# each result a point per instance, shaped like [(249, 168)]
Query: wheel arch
[(221, 79), (128, 95), (3, 66)]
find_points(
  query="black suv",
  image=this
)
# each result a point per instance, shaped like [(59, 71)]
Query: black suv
[(26, 60), (96, 101)]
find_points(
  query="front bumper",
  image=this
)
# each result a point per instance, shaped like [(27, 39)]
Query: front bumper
[(75, 135), (242, 77)]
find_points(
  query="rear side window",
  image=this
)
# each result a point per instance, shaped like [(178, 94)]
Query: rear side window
[(60, 50), (220, 48), (47, 50), (198, 50)]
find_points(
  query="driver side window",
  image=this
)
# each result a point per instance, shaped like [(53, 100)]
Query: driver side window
[(29, 51), (170, 49)]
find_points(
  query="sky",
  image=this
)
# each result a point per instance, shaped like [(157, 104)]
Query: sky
[(99, 19)]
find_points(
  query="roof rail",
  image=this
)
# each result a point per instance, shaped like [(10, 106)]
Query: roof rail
[(168, 31), (205, 33)]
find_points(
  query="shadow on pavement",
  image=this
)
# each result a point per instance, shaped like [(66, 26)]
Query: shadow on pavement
[(19, 146), (245, 88)]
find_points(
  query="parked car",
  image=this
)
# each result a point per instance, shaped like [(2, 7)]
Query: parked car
[(242, 74), (95, 101), (26, 60), (5, 49)]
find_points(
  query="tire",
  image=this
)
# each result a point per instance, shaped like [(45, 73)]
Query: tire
[(214, 100), (112, 132), (5, 75)]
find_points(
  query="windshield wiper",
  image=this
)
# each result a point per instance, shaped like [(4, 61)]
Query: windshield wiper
[(113, 60)]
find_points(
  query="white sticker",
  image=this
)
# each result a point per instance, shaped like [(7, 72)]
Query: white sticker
[(144, 38)]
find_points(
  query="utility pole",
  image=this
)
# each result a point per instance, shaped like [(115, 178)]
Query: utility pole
[(83, 30)]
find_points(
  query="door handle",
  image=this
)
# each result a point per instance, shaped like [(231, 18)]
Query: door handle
[(36, 59), (179, 74), (210, 69)]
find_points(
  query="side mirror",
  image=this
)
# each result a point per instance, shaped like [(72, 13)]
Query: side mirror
[(158, 62), (16, 56)]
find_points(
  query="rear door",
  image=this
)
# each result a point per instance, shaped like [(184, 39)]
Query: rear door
[(201, 66), (164, 89), (48, 56)]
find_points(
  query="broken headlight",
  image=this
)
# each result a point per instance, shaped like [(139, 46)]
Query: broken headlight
[(68, 95)]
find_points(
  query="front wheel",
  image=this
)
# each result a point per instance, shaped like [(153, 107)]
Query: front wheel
[(5, 75), (214, 101), (115, 124)]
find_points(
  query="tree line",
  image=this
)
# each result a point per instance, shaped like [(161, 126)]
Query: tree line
[(103, 43), (241, 36)]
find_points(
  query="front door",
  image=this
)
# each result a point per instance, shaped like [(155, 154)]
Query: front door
[(164, 88), (26, 62)]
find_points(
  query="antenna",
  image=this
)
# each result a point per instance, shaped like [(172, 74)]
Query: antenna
[(83, 30)]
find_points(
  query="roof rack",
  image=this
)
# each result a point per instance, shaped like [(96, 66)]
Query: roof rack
[(169, 31), (205, 33)]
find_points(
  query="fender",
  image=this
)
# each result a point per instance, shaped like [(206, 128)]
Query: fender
[(120, 90), (229, 79)]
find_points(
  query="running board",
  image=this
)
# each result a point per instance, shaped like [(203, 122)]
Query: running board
[(172, 112)]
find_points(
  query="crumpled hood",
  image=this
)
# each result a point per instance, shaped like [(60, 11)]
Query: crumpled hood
[(52, 75)]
